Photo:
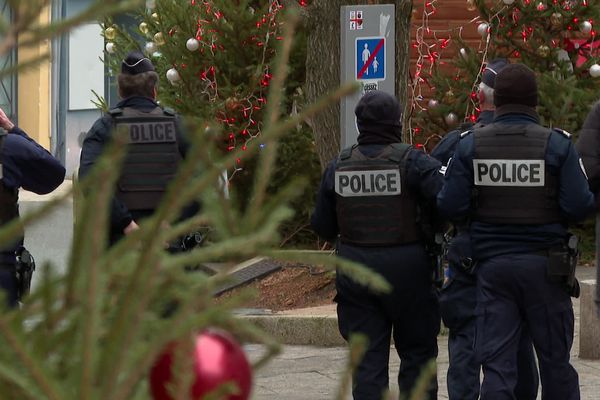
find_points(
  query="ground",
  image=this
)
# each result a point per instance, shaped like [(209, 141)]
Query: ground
[(294, 286)]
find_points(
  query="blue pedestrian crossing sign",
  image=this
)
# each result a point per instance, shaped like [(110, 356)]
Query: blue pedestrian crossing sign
[(370, 58)]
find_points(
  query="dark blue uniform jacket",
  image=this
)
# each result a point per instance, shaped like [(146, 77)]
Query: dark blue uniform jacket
[(28, 165), (575, 199), (423, 175), (93, 145), (444, 150)]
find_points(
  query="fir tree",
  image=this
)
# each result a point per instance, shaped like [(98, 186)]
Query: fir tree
[(555, 38)]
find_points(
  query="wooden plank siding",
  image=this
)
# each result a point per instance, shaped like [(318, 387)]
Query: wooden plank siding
[(449, 16)]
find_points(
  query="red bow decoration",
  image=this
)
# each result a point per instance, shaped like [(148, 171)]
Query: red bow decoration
[(584, 48)]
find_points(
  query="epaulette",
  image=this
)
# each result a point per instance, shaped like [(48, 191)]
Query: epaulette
[(169, 111), (562, 132), (115, 112), (346, 153), (465, 133)]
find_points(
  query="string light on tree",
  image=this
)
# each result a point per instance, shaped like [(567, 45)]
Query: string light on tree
[(151, 4), (464, 53)]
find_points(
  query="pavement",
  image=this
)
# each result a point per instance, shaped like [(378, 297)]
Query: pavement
[(302, 372), (305, 369)]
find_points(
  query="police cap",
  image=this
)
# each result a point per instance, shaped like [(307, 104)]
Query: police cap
[(492, 69), (136, 63)]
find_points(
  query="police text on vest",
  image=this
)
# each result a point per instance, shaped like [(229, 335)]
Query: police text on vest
[(509, 172), (151, 132), (383, 182)]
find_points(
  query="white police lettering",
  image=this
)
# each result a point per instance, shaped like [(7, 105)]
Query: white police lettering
[(509, 172), (151, 132), (382, 182)]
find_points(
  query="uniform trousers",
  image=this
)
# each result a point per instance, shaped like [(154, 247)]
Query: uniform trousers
[(458, 300), (8, 284), (513, 292), (410, 312)]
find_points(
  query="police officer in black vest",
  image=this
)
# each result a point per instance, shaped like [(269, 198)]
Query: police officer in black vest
[(520, 184), (23, 164), (371, 202), (458, 296), (156, 145)]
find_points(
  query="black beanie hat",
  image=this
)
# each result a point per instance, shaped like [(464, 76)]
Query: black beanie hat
[(516, 84), (491, 70), (136, 63), (380, 108)]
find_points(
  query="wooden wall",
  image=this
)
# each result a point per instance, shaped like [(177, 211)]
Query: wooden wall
[(444, 23)]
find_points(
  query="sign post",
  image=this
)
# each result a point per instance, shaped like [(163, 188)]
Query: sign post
[(367, 56)]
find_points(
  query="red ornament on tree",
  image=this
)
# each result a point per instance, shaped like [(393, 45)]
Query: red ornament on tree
[(218, 359)]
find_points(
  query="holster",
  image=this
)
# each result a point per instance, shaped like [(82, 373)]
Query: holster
[(437, 251), (24, 271), (562, 263)]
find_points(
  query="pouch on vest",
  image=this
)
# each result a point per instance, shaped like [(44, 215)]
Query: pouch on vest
[(152, 156), (374, 204)]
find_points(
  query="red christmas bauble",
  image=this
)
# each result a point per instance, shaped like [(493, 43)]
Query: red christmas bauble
[(218, 359)]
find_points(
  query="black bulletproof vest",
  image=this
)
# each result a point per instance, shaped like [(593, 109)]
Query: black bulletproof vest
[(374, 204), (152, 156), (513, 184)]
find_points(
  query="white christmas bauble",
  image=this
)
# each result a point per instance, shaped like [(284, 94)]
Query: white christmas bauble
[(451, 119), (432, 104), (595, 70), (151, 4), (150, 47), (508, 2), (192, 44), (586, 27), (482, 29), (463, 53), (173, 75), (110, 47)]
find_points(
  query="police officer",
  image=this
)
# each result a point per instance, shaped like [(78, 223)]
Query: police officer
[(458, 296), (23, 164), (156, 145), (519, 184), (371, 201)]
